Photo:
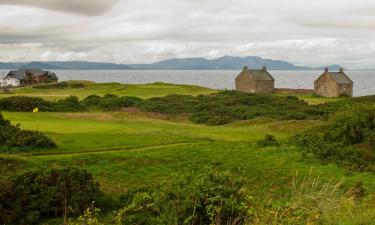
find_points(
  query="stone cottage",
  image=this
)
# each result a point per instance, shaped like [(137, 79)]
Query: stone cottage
[(255, 81), (334, 84)]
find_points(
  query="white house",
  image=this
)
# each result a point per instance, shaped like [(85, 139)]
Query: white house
[(12, 82), (2, 83)]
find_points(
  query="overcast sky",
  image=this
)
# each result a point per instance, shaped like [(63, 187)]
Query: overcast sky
[(304, 32)]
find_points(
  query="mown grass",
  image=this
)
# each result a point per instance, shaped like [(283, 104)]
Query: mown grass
[(90, 131), (91, 88)]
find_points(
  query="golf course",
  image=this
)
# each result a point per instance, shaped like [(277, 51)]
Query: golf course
[(131, 149)]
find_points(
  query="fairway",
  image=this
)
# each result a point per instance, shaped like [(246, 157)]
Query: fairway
[(90, 131), (91, 88)]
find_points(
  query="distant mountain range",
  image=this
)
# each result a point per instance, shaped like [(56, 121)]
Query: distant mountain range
[(222, 63)]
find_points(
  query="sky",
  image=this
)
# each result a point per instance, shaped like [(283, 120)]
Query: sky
[(303, 32)]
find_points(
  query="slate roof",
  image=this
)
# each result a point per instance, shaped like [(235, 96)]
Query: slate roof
[(257, 74), (340, 77), (21, 74)]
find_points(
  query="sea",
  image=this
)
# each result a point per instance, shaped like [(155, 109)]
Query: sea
[(364, 81)]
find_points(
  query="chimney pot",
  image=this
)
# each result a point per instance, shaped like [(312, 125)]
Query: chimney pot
[(326, 70)]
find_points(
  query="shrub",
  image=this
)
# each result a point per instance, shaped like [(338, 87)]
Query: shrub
[(171, 104), (29, 197), (210, 197), (91, 101), (24, 104), (268, 141), (347, 139), (70, 104), (116, 103)]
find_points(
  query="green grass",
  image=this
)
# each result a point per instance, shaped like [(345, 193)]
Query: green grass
[(92, 131), (125, 150), (91, 88), (311, 99)]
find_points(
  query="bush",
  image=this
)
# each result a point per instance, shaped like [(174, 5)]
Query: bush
[(227, 106), (12, 138), (70, 104), (268, 141), (171, 104), (29, 197), (207, 198), (91, 101), (116, 103), (348, 138), (109, 102), (24, 104)]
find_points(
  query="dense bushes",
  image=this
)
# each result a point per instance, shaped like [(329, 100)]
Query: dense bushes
[(70, 104), (171, 104), (24, 104), (27, 198), (13, 138), (211, 197), (348, 138), (227, 106), (215, 109), (109, 102)]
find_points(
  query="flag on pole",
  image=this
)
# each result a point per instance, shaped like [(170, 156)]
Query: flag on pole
[(36, 110)]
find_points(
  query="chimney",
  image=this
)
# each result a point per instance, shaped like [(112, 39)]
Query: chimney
[(245, 68), (326, 70), (264, 68), (341, 70)]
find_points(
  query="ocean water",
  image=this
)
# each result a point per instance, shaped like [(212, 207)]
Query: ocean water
[(364, 81)]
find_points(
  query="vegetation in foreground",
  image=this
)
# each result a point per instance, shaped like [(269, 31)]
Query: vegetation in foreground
[(28, 197)]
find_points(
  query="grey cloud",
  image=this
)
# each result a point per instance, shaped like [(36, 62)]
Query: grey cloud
[(136, 31), (84, 7)]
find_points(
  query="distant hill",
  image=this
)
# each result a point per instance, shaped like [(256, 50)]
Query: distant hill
[(222, 63), (65, 65)]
